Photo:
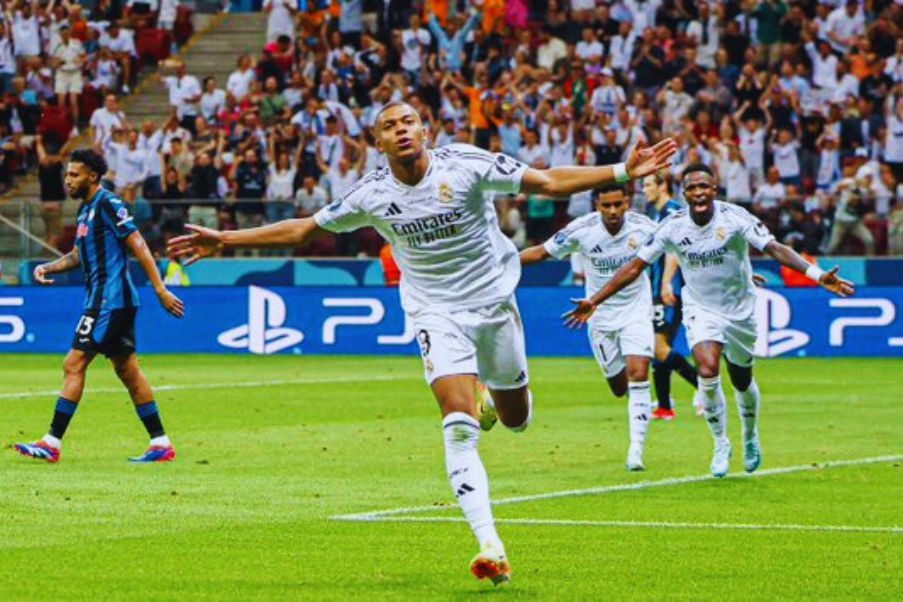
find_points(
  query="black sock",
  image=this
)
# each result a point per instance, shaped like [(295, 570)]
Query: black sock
[(65, 409), (680, 364), (661, 376), (150, 416)]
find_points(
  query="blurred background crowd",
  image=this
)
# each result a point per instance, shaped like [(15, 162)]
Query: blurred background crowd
[(797, 105)]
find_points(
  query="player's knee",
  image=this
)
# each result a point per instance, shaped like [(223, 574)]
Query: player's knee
[(707, 368), (637, 374), (661, 353)]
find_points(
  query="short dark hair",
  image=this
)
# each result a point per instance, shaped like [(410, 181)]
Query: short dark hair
[(389, 105), (698, 167), (608, 188), (92, 160)]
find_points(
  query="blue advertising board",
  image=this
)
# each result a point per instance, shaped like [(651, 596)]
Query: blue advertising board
[(343, 320)]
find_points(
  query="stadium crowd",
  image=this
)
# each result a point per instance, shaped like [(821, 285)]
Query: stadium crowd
[(797, 105)]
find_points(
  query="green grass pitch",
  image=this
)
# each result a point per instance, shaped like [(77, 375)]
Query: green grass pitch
[(269, 449)]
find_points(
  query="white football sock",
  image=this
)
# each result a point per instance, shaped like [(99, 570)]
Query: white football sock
[(523, 426), (639, 407), (748, 406), (51, 441), (714, 405), (161, 441), (467, 476)]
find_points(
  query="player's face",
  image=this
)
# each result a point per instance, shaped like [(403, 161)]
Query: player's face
[(612, 206), (78, 180), (650, 188), (699, 192), (400, 133)]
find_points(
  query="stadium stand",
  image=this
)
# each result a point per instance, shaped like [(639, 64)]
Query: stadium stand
[(267, 115)]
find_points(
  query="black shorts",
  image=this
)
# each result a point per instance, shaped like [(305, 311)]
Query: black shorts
[(666, 318), (107, 331)]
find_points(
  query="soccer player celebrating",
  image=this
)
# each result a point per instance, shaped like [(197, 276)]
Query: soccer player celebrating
[(459, 273), (711, 242), (105, 231), (620, 334), (667, 316)]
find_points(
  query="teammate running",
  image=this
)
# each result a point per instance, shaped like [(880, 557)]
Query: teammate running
[(459, 273), (667, 316), (620, 333), (711, 241), (105, 231)]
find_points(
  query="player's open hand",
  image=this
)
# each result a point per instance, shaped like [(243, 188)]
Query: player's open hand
[(647, 160), (578, 316), (200, 243), (171, 303), (40, 274), (837, 285)]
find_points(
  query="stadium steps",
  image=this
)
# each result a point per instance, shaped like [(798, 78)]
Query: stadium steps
[(213, 50)]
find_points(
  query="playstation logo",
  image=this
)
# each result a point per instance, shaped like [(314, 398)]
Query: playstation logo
[(264, 333), (773, 314)]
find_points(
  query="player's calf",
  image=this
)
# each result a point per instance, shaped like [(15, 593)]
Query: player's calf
[(514, 407)]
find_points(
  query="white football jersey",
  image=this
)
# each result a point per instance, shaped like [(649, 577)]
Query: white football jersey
[(714, 259), (444, 232), (603, 255)]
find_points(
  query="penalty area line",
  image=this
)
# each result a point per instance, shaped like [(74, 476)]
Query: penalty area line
[(381, 515), (555, 522)]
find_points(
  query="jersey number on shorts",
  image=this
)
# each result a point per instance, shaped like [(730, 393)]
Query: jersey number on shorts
[(85, 325)]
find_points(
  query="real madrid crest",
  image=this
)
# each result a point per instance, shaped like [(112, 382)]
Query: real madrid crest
[(720, 234), (632, 243), (445, 193)]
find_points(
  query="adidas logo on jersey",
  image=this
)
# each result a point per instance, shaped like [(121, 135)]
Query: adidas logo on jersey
[(686, 242), (596, 249), (392, 210)]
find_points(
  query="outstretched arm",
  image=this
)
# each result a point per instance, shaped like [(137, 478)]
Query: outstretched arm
[(533, 255), (204, 242), (585, 307), (565, 181), (67, 262), (828, 280), (171, 303)]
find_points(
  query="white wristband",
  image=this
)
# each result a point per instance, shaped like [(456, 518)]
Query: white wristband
[(814, 272), (621, 175)]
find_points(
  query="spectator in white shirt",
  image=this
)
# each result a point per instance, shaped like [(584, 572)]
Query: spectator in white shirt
[(130, 164), (122, 45), (786, 158), (843, 25), (413, 43), (106, 72), (239, 82), (7, 59), (281, 20), (770, 194), (824, 66), (705, 33), (26, 34), (213, 100), (589, 48), (620, 49), (69, 58), (310, 197), (104, 119), (184, 95)]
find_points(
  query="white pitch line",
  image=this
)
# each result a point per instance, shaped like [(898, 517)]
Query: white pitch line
[(219, 385), (383, 514), (555, 522)]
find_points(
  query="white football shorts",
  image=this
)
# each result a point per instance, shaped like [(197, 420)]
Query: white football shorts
[(737, 336), (611, 347), (488, 342)]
